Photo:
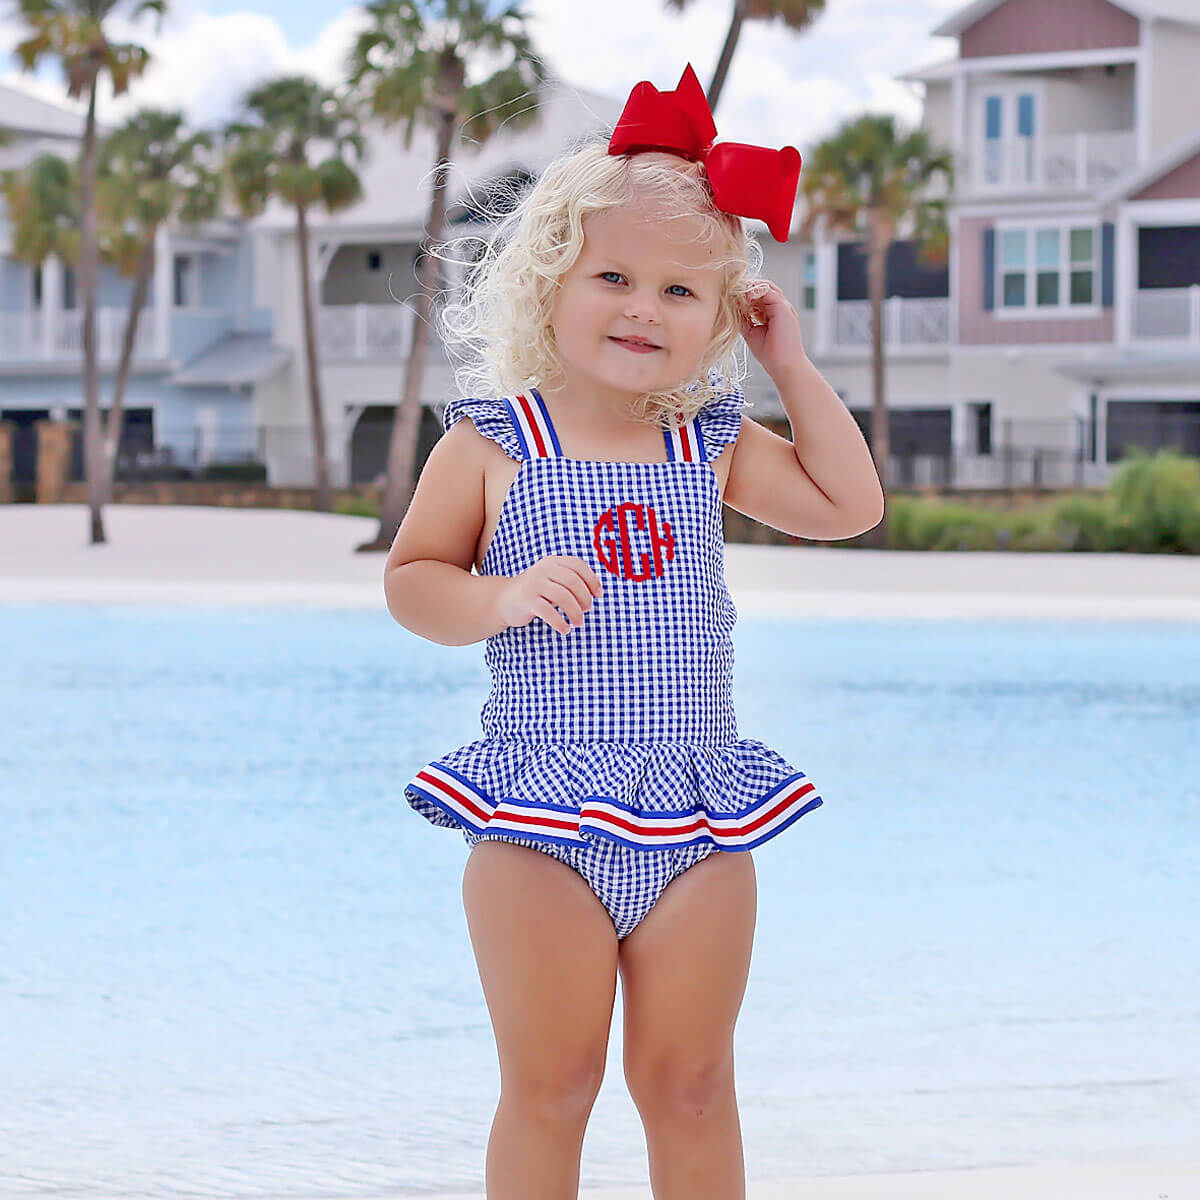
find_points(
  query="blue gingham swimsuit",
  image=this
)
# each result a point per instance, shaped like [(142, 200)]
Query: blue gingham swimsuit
[(615, 747)]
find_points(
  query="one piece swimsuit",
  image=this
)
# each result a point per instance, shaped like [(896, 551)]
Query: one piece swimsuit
[(614, 748)]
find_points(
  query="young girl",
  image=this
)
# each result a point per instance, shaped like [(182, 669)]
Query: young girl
[(611, 804)]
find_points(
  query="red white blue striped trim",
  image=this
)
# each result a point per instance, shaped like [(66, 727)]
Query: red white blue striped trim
[(684, 442), (536, 433), (608, 818), (531, 420)]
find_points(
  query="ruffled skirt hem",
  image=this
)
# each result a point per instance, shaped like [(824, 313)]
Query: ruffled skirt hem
[(741, 794)]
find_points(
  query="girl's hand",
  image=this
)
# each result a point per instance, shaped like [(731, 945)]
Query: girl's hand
[(557, 579), (772, 329)]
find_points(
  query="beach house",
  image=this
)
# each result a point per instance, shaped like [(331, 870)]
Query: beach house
[(1064, 328), (1073, 294)]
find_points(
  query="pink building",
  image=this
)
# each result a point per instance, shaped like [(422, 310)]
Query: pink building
[(1067, 324)]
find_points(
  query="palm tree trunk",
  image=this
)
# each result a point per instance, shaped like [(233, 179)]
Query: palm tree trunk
[(112, 430), (402, 446), (323, 500), (877, 248), (731, 40), (93, 449)]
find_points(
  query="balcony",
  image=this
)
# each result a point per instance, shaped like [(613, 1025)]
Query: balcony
[(1170, 315), (35, 336), (1065, 162), (364, 331), (908, 324)]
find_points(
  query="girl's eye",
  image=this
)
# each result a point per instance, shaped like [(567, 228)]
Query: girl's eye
[(615, 274), (682, 290)]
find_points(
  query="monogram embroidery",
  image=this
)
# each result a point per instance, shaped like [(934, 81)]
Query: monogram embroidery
[(611, 539)]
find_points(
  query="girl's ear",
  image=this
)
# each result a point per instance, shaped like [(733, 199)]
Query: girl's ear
[(749, 307)]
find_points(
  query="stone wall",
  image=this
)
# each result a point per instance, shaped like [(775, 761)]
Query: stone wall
[(7, 496)]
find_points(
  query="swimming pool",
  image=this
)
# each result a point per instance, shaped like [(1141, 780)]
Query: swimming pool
[(235, 963)]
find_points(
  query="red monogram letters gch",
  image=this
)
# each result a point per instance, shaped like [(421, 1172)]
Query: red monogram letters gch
[(611, 539)]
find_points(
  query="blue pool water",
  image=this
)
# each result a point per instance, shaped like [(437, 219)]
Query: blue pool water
[(234, 963)]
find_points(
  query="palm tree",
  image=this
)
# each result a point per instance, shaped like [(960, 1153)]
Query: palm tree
[(43, 209), (268, 155), (412, 65), (868, 178), (72, 33), (148, 173), (795, 14)]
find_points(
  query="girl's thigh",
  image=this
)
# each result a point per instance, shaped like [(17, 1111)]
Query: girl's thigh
[(547, 956), (684, 971)]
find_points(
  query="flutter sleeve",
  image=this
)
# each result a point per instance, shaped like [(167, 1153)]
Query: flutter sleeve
[(490, 417), (720, 422)]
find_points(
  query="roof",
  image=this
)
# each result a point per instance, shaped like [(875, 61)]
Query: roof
[(237, 360), (23, 112), (1186, 11), (1176, 153), (1161, 364), (396, 181), (934, 72)]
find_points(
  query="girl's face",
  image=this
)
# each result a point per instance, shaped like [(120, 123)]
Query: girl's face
[(636, 310)]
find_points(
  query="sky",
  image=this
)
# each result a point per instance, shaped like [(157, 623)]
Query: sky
[(784, 87)]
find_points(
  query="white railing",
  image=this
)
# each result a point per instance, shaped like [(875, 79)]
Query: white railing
[(1063, 162), (364, 330), (907, 323), (28, 336), (1167, 314)]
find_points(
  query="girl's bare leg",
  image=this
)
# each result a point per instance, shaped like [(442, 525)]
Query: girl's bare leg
[(547, 956), (683, 976)]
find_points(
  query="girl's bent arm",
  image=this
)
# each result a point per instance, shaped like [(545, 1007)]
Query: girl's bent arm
[(443, 602), (427, 578)]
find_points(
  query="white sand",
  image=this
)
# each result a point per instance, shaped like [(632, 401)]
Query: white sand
[(222, 556), (1094, 1181)]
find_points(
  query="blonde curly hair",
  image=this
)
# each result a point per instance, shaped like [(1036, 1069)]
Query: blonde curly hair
[(498, 333)]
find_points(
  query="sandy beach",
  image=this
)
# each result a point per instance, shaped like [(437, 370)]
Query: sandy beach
[(1105, 1181), (264, 557), (216, 556)]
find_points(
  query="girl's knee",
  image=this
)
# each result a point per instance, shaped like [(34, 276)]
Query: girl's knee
[(563, 1088), (682, 1083)]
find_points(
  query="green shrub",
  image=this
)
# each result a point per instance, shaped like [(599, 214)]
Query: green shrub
[(1083, 523), (1156, 502), (357, 506), (239, 472)]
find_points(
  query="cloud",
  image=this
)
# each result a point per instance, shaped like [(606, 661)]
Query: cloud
[(784, 87), (203, 63)]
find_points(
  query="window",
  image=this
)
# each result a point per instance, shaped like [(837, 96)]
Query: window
[(1009, 131), (1083, 266), (979, 428), (186, 293), (374, 260), (808, 285), (68, 288), (1047, 268), (36, 288)]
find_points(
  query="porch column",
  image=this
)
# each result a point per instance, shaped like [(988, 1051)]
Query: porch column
[(1125, 284), (164, 270), (52, 285), (826, 289)]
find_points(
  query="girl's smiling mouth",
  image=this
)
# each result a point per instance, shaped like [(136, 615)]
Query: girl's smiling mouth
[(637, 345)]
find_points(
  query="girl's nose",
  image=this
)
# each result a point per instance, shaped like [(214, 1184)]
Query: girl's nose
[(642, 306)]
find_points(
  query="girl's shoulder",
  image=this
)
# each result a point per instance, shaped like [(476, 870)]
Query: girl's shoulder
[(720, 421), (491, 416)]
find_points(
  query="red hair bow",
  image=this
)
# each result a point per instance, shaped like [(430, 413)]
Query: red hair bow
[(748, 181)]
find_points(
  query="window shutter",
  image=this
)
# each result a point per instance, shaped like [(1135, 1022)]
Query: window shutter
[(989, 269), (1106, 264)]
